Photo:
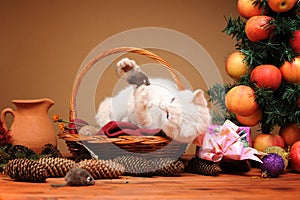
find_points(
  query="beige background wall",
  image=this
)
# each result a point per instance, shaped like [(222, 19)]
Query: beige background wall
[(44, 42)]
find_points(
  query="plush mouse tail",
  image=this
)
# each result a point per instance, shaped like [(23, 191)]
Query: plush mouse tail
[(58, 185)]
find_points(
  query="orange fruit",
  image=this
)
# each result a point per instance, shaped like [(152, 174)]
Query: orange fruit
[(247, 8), (235, 65), (252, 119), (290, 134), (240, 100)]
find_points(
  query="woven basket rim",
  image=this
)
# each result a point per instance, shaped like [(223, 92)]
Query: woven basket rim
[(123, 139)]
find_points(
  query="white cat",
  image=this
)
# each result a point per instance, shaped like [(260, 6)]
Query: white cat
[(183, 115)]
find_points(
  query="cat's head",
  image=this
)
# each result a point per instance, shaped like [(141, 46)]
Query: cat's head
[(190, 113)]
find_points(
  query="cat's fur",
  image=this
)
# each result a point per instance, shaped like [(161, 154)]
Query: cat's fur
[(183, 115)]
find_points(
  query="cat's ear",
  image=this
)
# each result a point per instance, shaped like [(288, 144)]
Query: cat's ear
[(199, 98)]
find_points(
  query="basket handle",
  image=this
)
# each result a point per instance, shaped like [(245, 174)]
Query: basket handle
[(106, 53)]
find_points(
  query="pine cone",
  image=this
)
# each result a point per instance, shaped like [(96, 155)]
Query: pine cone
[(51, 151), (136, 166), (102, 169), (57, 167), (204, 167), (20, 151), (26, 170), (168, 167)]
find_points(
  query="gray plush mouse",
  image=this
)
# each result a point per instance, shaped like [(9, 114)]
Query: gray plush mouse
[(77, 177)]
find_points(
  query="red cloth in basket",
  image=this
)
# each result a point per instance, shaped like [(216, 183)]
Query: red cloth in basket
[(116, 128)]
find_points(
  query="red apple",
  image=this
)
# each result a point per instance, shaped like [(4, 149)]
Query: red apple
[(259, 28), (295, 156), (262, 141), (290, 134), (235, 65), (295, 41), (291, 71), (298, 102), (240, 100), (248, 8), (281, 5), (268, 76)]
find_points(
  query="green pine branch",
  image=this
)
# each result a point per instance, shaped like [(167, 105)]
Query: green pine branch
[(280, 107), (235, 28), (217, 97)]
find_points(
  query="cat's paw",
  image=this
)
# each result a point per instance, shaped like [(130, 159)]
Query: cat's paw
[(142, 96), (126, 62)]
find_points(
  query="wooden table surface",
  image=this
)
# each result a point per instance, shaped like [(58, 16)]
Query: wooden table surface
[(188, 186)]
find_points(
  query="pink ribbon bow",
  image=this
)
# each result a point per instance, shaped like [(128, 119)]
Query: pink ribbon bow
[(226, 143)]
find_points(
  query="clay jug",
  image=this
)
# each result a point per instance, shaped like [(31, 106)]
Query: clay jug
[(31, 125)]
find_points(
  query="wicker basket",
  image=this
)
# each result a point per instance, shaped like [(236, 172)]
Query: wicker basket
[(107, 148)]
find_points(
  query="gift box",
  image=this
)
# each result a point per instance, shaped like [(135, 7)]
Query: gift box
[(243, 131), (229, 145)]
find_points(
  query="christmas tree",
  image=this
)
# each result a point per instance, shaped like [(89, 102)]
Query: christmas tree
[(265, 66)]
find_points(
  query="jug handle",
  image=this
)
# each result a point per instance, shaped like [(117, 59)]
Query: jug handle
[(3, 116)]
